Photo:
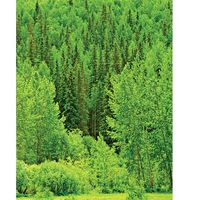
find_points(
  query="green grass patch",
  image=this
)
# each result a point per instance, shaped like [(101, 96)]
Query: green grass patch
[(154, 196)]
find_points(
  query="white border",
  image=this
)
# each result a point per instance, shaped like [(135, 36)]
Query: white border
[(7, 100), (186, 99)]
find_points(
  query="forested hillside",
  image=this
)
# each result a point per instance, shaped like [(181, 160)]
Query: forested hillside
[(94, 96)]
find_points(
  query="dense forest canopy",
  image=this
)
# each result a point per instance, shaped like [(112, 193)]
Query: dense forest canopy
[(94, 85)]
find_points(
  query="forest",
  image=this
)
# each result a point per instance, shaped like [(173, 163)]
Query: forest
[(94, 98)]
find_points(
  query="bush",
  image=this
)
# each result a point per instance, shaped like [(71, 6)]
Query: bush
[(119, 179), (32, 174), (89, 143), (135, 190), (19, 195), (44, 195), (105, 168), (75, 148), (61, 178), (22, 179), (94, 166)]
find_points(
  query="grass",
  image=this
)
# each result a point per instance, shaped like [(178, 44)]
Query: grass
[(154, 196)]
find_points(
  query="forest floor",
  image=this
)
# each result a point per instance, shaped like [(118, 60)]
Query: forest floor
[(154, 196)]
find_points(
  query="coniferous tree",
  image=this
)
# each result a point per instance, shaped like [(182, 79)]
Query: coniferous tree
[(116, 57), (86, 46), (93, 95), (82, 101), (32, 43), (36, 13), (18, 29)]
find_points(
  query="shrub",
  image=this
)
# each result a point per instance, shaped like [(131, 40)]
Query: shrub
[(89, 143), (119, 179), (22, 179), (105, 168), (135, 189), (61, 178), (75, 148), (33, 173), (18, 195), (93, 166), (44, 195)]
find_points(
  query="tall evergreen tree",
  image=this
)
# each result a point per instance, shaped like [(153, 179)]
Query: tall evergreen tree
[(82, 100), (32, 43), (116, 57)]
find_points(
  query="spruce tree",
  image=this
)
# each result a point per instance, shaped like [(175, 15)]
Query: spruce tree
[(32, 43)]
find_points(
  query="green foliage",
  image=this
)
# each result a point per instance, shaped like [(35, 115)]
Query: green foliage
[(38, 128), (75, 148), (44, 195), (22, 179), (91, 165), (105, 167), (50, 177), (92, 68), (137, 117), (61, 178), (135, 190)]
